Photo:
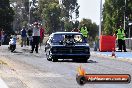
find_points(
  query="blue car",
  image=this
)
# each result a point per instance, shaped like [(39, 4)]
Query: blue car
[(67, 45)]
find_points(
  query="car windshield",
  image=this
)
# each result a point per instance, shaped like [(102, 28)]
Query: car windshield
[(78, 38)]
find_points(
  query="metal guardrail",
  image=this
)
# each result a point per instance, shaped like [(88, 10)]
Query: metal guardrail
[(128, 43), (128, 38)]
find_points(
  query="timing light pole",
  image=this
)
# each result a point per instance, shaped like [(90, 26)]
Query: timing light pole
[(100, 23), (100, 18), (125, 16), (29, 16)]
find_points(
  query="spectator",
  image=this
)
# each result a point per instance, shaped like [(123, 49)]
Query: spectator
[(30, 36), (120, 33), (84, 31), (41, 35), (23, 36), (75, 30), (36, 37), (2, 37)]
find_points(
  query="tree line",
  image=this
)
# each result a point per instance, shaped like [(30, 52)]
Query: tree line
[(61, 15), (113, 15), (55, 15), (6, 16)]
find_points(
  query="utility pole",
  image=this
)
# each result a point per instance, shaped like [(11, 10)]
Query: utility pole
[(100, 18), (100, 22), (125, 16), (29, 16)]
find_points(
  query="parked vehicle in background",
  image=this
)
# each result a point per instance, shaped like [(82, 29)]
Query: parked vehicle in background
[(67, 45)]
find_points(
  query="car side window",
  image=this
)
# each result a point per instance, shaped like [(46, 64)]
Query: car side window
[(57, 38)]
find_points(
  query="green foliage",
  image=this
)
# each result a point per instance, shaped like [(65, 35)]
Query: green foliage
[(68, 26), (113, 14), (51, 12), (57, 15), (6, 15), (76, 24), (25, 23), (69, 7), (92, 28), (21, 8)]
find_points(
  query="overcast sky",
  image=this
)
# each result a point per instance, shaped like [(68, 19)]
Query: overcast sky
[(90, 9)]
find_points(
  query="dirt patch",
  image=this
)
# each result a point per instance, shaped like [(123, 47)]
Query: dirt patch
[(2, 62)]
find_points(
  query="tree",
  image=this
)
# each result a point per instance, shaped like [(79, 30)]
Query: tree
[(69, 12), (68, 26), (24, 15), (21, 11), (113, 14), (69, 7), (92, 28), (6, 15), (51, 14)]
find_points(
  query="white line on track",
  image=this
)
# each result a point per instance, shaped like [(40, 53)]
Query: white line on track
[(3, 84)]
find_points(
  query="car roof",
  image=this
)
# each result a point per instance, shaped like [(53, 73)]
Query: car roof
[(66, 33)]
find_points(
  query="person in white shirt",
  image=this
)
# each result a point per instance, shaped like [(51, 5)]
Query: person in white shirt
[(36, 37)]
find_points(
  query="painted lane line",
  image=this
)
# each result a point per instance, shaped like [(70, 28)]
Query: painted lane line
[(2, 84)]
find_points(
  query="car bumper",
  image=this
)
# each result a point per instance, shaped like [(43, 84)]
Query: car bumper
[(70, 56)]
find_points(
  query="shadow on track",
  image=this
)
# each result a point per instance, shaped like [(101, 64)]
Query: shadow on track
[(76, 61)]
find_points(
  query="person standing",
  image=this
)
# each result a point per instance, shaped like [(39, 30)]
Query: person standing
[(30, 36), (84, 31), (123, 40), (75, 30), (23, 36), (120, 33), (119, 38), (36, 37), (41, 35), (2, 37)]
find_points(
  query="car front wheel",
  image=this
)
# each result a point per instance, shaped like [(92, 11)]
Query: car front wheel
[(54, 59), (48, 56)]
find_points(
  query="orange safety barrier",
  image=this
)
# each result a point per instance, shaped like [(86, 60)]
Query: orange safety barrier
[(107, 43)]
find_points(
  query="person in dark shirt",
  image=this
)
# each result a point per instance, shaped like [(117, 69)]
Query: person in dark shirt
[(29, 39), (23, 36), (75, 30)]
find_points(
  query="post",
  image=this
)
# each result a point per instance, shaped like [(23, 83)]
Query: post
[(100, 22), (125, 16), (29, 22), (130, 25), (100, 17), (29, 16)]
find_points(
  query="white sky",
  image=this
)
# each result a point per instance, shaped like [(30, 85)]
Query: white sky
[(90, 9)]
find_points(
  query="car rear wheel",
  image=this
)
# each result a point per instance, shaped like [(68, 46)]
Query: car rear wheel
[(84, 60), (76, 60), (80, 60)]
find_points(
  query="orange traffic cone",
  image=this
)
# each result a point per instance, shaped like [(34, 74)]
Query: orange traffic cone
[(113, 53)]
